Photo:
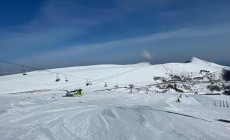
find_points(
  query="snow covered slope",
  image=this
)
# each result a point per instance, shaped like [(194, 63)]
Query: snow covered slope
[(32, 106), (123, 75)]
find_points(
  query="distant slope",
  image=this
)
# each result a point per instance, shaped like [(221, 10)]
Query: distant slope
[(137, 74)]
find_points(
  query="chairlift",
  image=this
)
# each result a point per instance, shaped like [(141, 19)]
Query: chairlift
[(116, 86), (88, 83), (105, 84), (57, 78), (23, 71), (66, 79)]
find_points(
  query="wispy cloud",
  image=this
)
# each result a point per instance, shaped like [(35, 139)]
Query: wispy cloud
[(147, 55)]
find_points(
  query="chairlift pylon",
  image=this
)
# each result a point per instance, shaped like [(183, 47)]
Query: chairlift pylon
[(131, 86)]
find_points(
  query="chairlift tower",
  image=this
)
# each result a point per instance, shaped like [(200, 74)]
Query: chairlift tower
[(131, 87)]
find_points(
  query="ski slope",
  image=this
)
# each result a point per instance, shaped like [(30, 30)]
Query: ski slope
[(138, 74), (32, 106)]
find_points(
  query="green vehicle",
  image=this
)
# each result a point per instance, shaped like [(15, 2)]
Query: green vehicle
[(77, 92)]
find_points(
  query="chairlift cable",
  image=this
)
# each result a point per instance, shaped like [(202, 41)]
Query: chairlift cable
[(35, 68), (96, 80), (111, 76)]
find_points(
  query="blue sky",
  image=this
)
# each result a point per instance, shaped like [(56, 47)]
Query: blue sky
[(60, 33)]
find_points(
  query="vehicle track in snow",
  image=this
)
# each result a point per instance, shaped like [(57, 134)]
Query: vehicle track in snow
[(104, 116)]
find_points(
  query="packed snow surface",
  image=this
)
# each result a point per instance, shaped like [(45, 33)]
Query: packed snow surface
[(32, 106)]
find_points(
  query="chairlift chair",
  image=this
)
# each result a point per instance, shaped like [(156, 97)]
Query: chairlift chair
[(66, 79), (105, 84), (23, 71), (57, 78), (116, 86), (88, 83)]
